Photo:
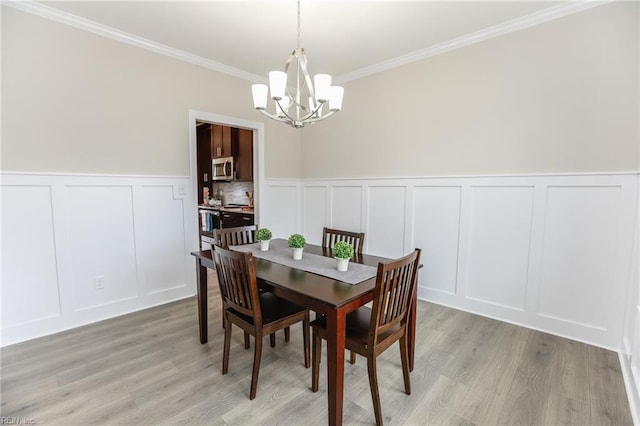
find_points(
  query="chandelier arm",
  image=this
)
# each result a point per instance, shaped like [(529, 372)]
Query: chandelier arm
[(289, 118), (317, 108), (301, 57), (295, 102), (310, 115), (273, 117), (313, 120), (305, 71), (291, 57), (294, 123)]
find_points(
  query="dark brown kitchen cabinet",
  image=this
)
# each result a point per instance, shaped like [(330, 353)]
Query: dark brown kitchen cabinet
[(221, 141), (216, 141), (233, 219), (203, 164), (244, 157)]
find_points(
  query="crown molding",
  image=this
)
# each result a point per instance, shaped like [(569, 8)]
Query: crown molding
[(507, 27), (59, 16), (549, 14)]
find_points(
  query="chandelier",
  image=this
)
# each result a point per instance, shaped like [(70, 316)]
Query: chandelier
[(290, 108)]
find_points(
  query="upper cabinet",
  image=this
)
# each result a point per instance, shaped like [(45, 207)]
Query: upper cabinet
[(216, 141), (221, 141), (244, 155)]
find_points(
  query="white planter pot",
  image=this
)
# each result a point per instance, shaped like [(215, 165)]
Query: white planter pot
[(297, 253), (343, 264), (264, 245)]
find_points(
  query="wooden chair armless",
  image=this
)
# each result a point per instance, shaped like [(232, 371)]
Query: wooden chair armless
[(369, 332), (258, 314), (331, 236)]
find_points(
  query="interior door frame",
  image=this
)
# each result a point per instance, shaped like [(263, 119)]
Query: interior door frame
[(258, 154)]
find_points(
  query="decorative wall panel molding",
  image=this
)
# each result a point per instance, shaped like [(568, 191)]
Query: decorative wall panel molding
[(100, 233), (387, 220), (549, 252), (630, 353), (77, 249), (281, 208), (28, 237), (436, 217), (580, 255), (315, 203), (346, 208), (498, 245)]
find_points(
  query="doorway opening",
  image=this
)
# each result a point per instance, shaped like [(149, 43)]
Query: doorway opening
[(226, 172)]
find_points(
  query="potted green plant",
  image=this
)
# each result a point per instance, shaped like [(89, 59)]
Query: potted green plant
[(264, 236), (297, 242), (343, 252)]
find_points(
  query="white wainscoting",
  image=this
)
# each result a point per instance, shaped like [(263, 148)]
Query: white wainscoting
[(61, 233), (547, 252), (630, 353)]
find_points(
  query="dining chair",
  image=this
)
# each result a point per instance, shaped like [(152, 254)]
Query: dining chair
[(241, 235), (331, 236), (237, 236), (225, 237), (258, 314), (329, 239), (370, 331)]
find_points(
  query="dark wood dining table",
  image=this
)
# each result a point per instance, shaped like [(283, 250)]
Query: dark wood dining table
[(324, 295)]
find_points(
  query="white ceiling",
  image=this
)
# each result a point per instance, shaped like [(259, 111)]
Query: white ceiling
[(341, 38)]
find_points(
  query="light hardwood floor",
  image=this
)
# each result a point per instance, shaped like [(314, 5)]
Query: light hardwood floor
[(149, 368)]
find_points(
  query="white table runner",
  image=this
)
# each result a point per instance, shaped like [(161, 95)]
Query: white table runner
[(279, 252)]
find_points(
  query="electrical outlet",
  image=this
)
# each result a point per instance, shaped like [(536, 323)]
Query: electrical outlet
[(182, 190), (98, 282)]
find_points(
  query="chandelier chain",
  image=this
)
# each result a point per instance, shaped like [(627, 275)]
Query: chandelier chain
[(298, 46)]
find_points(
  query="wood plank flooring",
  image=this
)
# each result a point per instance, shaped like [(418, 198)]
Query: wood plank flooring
[(149, 368)]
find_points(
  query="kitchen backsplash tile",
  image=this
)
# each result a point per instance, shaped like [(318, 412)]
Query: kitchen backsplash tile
[(232, 192)]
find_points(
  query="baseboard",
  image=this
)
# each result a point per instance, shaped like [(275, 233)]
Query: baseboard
[(632, 387)]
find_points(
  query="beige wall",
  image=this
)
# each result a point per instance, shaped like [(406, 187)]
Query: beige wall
[(76, 102), (558, 97)]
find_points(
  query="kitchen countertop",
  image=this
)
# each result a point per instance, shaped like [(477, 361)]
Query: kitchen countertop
[(247, 210)]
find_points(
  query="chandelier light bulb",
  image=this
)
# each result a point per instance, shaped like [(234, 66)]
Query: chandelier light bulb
[(322, 84), (259, 92), (277, 84), (335, 98)]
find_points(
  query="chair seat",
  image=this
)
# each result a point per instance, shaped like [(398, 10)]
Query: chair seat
[(357, 327), (273, 309)]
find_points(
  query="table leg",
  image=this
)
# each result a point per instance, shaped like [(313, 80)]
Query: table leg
[(201, 286), (335, 364)]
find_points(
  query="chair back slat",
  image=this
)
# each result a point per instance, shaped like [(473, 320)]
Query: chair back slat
[(238, 236), (331, 236), (395, 284), (237, 278)]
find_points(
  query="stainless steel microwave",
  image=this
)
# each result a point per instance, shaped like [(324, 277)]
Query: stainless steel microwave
[(222, 168)]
